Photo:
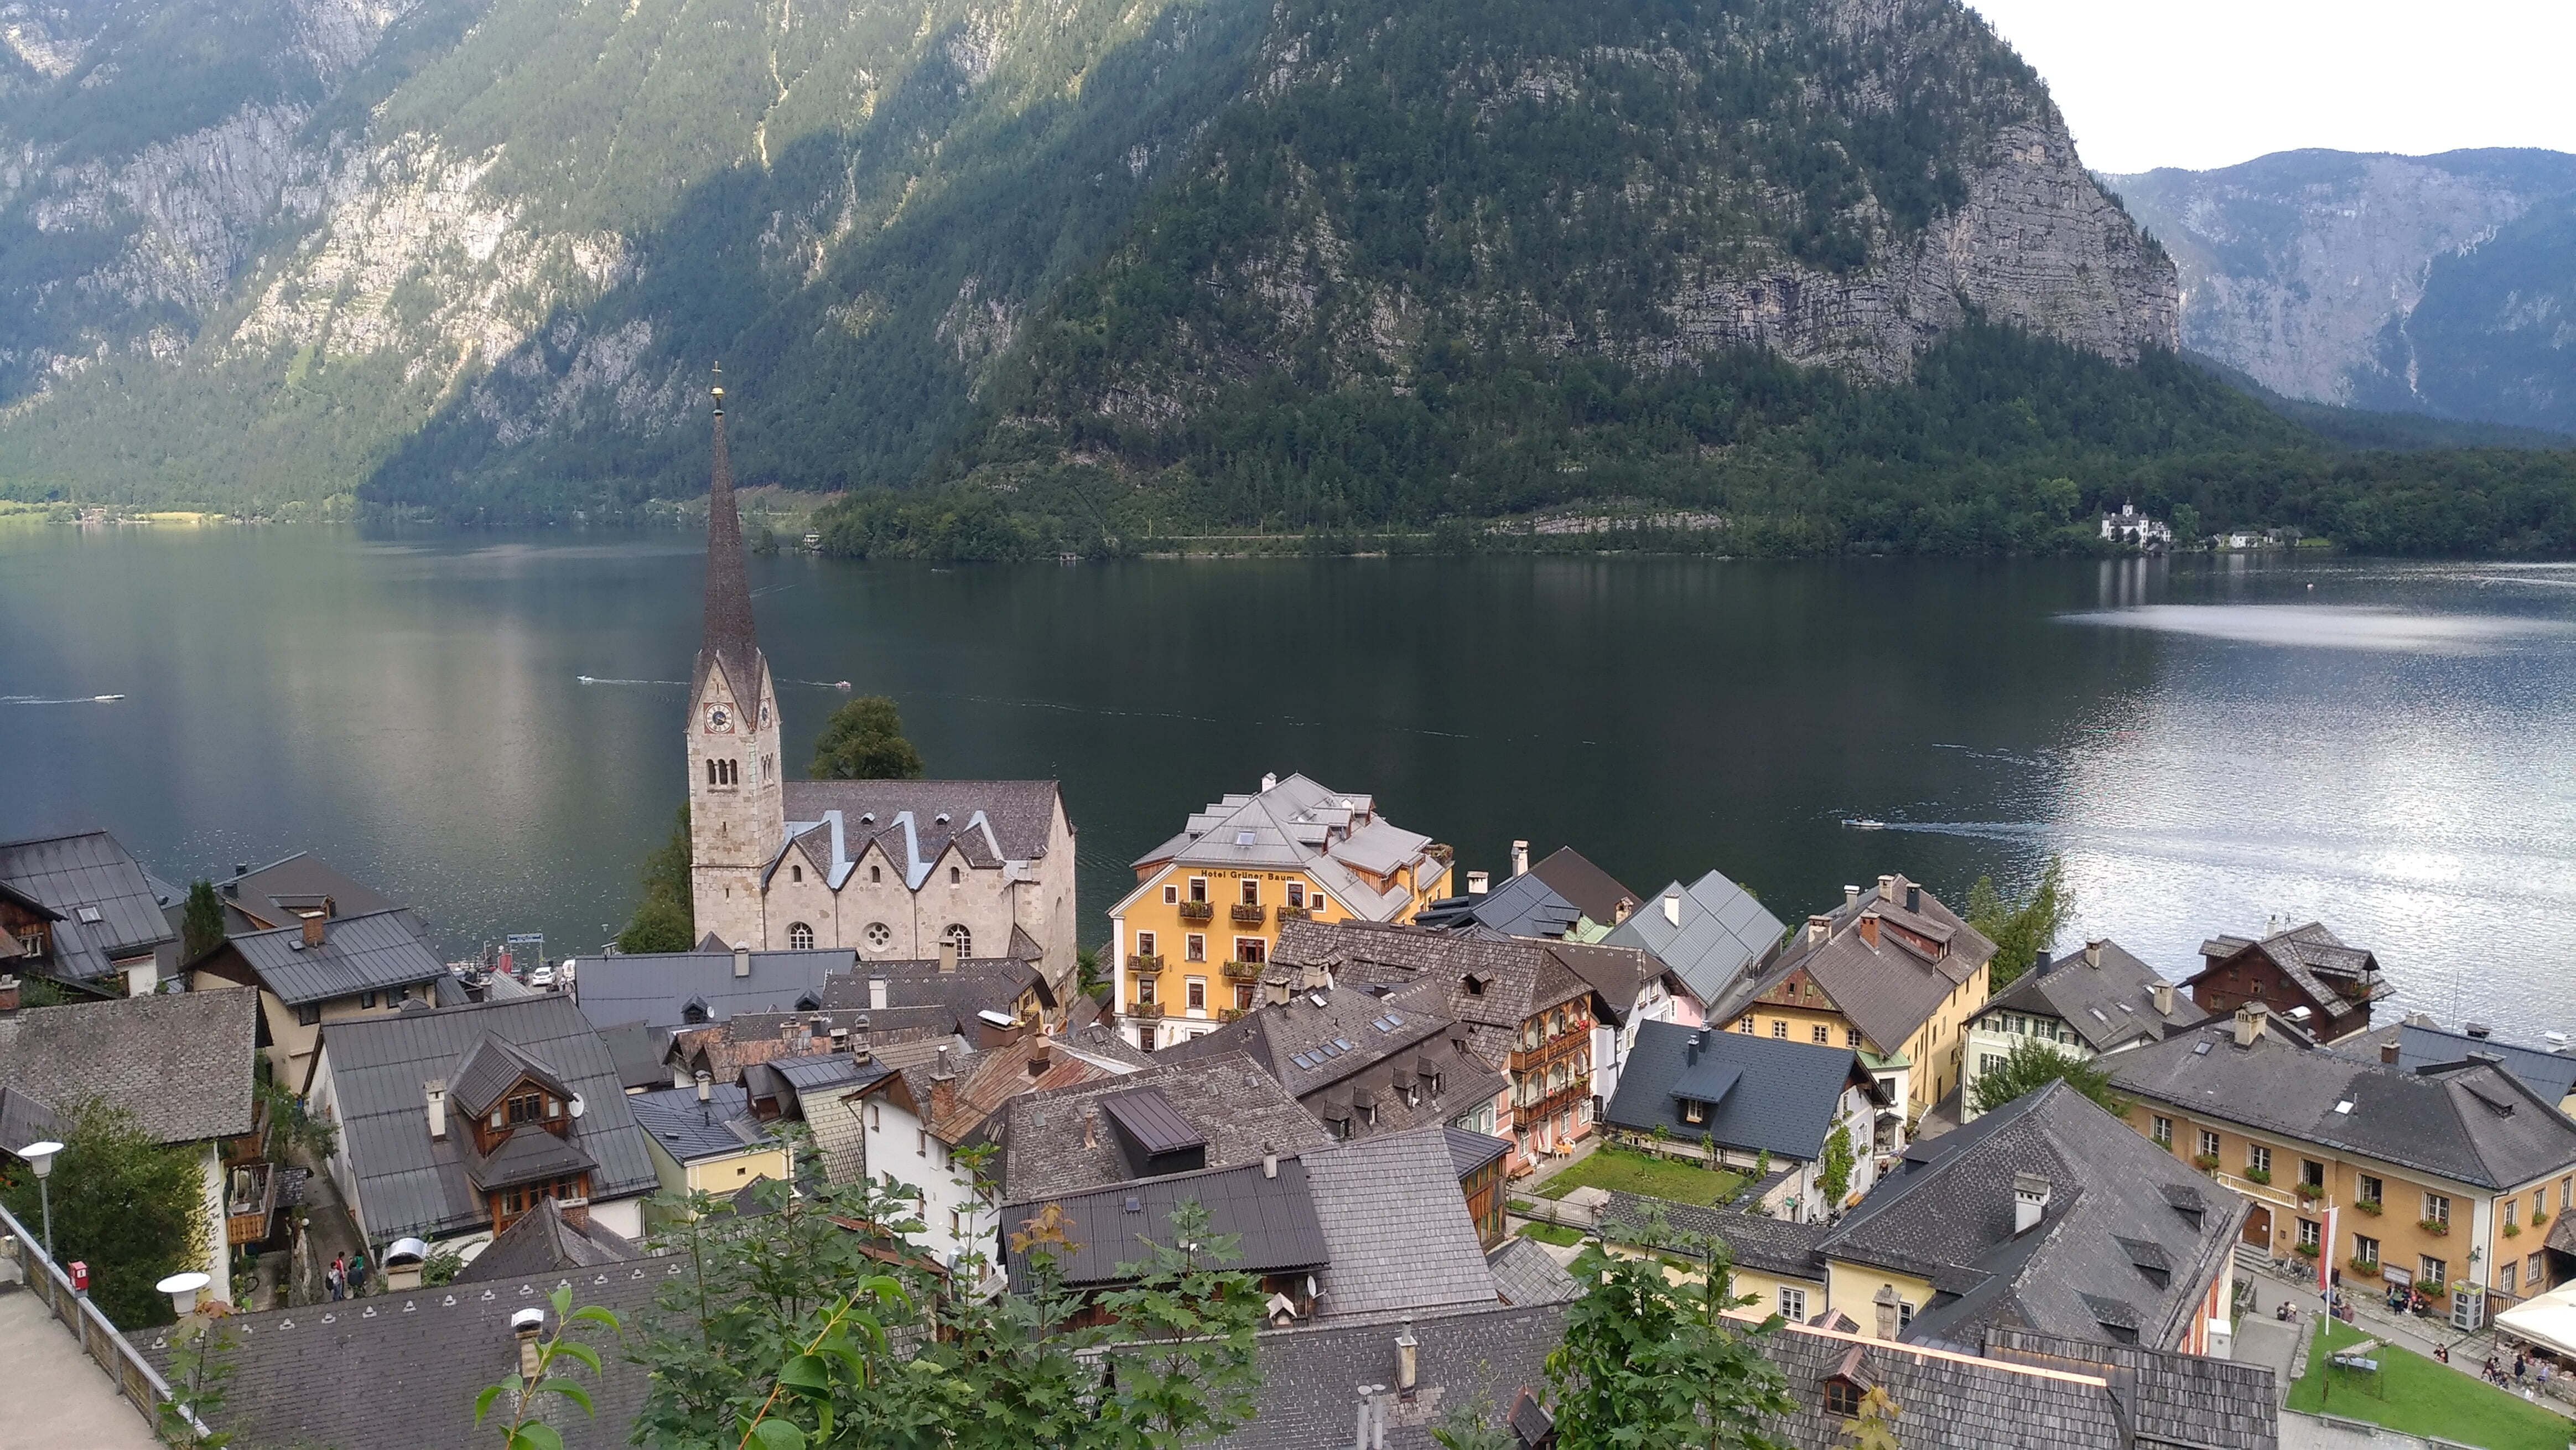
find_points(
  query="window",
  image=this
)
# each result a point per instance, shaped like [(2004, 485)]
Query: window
[(1851, 1038), (31, 942), (1747, 1024), (2161, 1129), (1842, 1397), (1819, 1033), (2566, 1194), (876, 1117), (878, 936), (1194, 948), (876, 874), (2208, 1144), (1297, 894), (1251, 949), (2505, 1276), (1243, 996), (1315, 903), (2437, 1208), (1198, 888), (959, 937), (366, 999), (2308, 1233), (955, 875), (2312, 1173), (2539, 1204), (2534, 1274), (1144, 991), (796, 873), (1989, 1062), (921, 1142), (2430, 1268), (527, 1108), (1144, 943), (1904, 1315), (800, 937), (2365, 1249), (1197, 1000), (956, 1224), (1171, 896), (2370, 1189), (1793, 1304), (2258, 1159), (1694, 1111), (1251, 891), (1779, 1027), (2512, 1212)]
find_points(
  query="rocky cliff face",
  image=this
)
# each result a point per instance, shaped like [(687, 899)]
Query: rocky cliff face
[(2309, 270)]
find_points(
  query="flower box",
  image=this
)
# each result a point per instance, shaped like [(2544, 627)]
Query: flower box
[(1198, 911), (2360, 1265), (1248, 913), (2539, 1216), (2366, 1205), (2305, 1251), (2259, 1175), (2512, 1230), (1292, 913), (2434, 1226), (2310, 1192), (2206, 1162), (1246, 971), (1145, 965)]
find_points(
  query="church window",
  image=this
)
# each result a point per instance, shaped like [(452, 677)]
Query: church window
[(875, 875), (723, 772), (799, 936), (879, 936), (961, 938), (796, 873), (953, 875)]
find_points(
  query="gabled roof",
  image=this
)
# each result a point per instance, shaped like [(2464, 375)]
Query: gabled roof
[(1619, 975), (2104, 993), (1380, 1060), (1399, 1236), (1298, 825), (1273, 1217), (543, 1244), (282, 891), (1521, 906), (692, 1132), (1227, 1097), (490, 1068), (640, 1050), (183, 1063), (1035, 1063), (1512, 980), (1593, 891), (1722, 932), (1478, 1362), (1763, 1093), (2478, 1124), (409, 1183), (1888, 989), (26, 1118), (2422, 1045), (979, 984), (110, 907), (1770, 1245), (2338, 978), (916, 821), (528, 1156), (372, 953), (2168, 1398), (1946, 1400), (1948, 1214), (659, 987), (1527, 1275), (1469, 1151)]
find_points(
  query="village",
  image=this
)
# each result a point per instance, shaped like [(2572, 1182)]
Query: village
[(2075, 1199)]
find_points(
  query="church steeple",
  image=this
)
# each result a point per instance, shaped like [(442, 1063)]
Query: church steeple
[(731, 633), (737, 811)]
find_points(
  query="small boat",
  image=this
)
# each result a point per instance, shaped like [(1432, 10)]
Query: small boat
[(1864, 823), (840, 684), (103, 699)]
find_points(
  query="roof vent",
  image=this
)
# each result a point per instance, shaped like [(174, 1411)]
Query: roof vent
[(1478, 883), (2030, 1202), (1520, 858), (867, 818), (2557, 1041), (1269, 782), (2478, 1030), (1315, 997), (1243, 838), (940, 819), (1673, 908)]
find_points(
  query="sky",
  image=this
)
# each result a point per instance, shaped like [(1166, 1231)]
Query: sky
[(2209, 83)]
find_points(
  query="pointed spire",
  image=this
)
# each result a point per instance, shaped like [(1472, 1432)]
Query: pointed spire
[(730, 632)]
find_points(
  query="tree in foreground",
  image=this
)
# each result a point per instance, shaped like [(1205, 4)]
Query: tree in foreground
[(2021, 929), (863, 740), (130, 1208), (2034, 1065), (201, 922), (666, 920), (1650, 1364)]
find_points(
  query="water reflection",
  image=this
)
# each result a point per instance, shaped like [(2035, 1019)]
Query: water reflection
[(2330, 627)]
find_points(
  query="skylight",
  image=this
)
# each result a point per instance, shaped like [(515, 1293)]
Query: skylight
[(2200, 1050), (1243, 838), (2344, 1106)]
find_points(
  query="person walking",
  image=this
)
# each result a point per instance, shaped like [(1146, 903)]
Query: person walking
[(337, 1280), (358, 1274)]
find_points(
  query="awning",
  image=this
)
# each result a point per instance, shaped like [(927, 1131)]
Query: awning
[(2548, 1321)]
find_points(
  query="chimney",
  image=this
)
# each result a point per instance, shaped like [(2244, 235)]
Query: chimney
[(939, 1068), (313, 930), (1869, 929), (1913, 898), (526, 1324), (1408, 1362), (1269, 782), (859, 1041), (840, 1039), (1279, 990), (575, 1211), (1819, 928), (742, 959), (2093, 954), (436, 1092), (1520, 858), (1040, 1059), (2030, 1202), (876, 994), (2164, 994), (1851, 895), (2249, 1023), (1690, 1050), (1887, 888), (330, 909), (2556, 1042), (1672, 908), (1269, 1160), (948, 956), (1090, 1125), (1477, 883), (1884, 1302), (2388, 1052), (2478, 1030)]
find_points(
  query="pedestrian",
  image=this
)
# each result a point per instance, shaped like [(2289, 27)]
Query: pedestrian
[(2544, 1374), (358, 1274), (2442, 1352), (2490, 1372), (2521, 1366), (338, 1278)]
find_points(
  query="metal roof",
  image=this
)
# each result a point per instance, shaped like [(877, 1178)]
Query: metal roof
[(371, 953), (1594, 892), (545, 1244), (1521, 906), (109, 905), (1273, 1220), (1148, 1120), (1722, 932), (529, 1157), (658, 987), (1782, 1095), (692, 1132), (1469, 1151), (489, 1069), (281, 891), (2550, 1074)]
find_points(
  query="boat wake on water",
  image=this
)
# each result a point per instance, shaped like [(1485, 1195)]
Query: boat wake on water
[(71, 700)]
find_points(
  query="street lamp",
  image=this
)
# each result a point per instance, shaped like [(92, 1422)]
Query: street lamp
[(40, 1156), (183, 1289)]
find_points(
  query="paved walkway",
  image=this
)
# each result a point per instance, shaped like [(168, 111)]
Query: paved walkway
[(77, 1403)]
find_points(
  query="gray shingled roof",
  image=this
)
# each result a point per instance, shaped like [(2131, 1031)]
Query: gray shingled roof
[(1772, 1245), (276, 894), (182, 1062), (1948, 1215), (1227, 1097), (1723, 931), (1273, 1219), (691, 1132), (1400, 1236), (371, 953), (399, 1371), (2339, 978), (1888, 990), (408, 1183), (1366, 1058), (979, 984), (660, 987), (1520, 979), (26, 1118), (1470, 1151), (544, 1245), (2478, 1125), (1944, 1401), (1594, 892), (1477, 1361), (2104, 993), (1021, 813), (1527, 1275), (2171, 1399), (110, 906), (1783, 1097), (2419, 1045)]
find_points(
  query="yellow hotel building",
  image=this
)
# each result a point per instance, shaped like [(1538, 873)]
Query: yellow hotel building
[(1190, 943)]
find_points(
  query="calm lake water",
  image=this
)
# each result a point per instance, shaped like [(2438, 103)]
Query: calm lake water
[(2210, 743)]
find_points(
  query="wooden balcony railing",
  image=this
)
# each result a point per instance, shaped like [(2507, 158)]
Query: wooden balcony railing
[(1198, 911), (1246, 971), (1292, 913), (1144, 965), (1250, 913), (250, 1201), (1150, 1011)]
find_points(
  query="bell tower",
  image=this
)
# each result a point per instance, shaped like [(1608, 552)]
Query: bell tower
[(737, 816)]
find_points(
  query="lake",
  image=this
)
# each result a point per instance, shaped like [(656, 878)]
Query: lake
[(489, 726)]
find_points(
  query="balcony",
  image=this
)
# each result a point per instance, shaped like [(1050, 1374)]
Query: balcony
[(1228, 1014), (1198, 911), (1146, 1011), (1245, 971), (1292, 912), (2262, 1192), (250, 1201), (1145, 966), (1250, 913)]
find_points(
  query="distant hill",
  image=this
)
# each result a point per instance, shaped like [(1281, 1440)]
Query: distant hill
[(2443, 285), (2391, 429)]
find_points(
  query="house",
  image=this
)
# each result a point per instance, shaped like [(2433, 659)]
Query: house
[(1776, 1261), (888, 868), (185, 1065), (1630, 988), (2549, 1071), (287, 890), (323, 968), (546, 1243), (1364, 1061), (1743, 1102), (2137, 530), (454, 1121), (672, 990), (705, 1139), (1892, 973), (2305, 975), (1711, 933), (1521, 906), (1594, 892), (2093, 1003), (1229, 1111), (1528, 1014), (1012, 990), (2443, 1176), (1293, 852), (85, 913)]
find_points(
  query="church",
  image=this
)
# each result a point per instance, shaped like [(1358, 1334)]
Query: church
[(896, 870)]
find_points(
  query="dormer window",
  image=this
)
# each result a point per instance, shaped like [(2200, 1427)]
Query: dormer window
[(1694, 1111), (529, 1108), (1842, 1398)]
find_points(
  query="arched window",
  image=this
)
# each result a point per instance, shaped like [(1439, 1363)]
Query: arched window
[(953, 875), (961, 938), (799, 936)]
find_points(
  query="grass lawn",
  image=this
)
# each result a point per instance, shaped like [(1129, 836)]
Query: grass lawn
[(1630, 1171), (2415, 1395), (1552, 1233)]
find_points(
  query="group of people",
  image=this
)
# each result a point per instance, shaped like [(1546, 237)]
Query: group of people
[(348, 1276), (2528, 1373)]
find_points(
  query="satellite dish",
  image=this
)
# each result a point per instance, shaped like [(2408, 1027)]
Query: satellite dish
[(577, 1105)]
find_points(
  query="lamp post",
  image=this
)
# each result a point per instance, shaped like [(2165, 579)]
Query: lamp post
[(40, 1156)]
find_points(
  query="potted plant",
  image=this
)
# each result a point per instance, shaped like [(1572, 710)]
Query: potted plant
[(2512, 1230), (2360, 1265), (2259, 1175), (2366, 1205), (2438, 1228), (2306, 1251), (2311, 1192), (2539, 1216), (2432, 1288), (2205, 1162)]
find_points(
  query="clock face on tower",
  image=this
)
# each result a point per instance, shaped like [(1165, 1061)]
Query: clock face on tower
[(719, 717)]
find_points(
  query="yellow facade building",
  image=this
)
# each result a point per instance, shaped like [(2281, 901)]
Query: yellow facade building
[(707, 1140), (1190, 943)]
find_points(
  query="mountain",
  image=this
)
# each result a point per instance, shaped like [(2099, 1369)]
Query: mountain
[(2435, 284)]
